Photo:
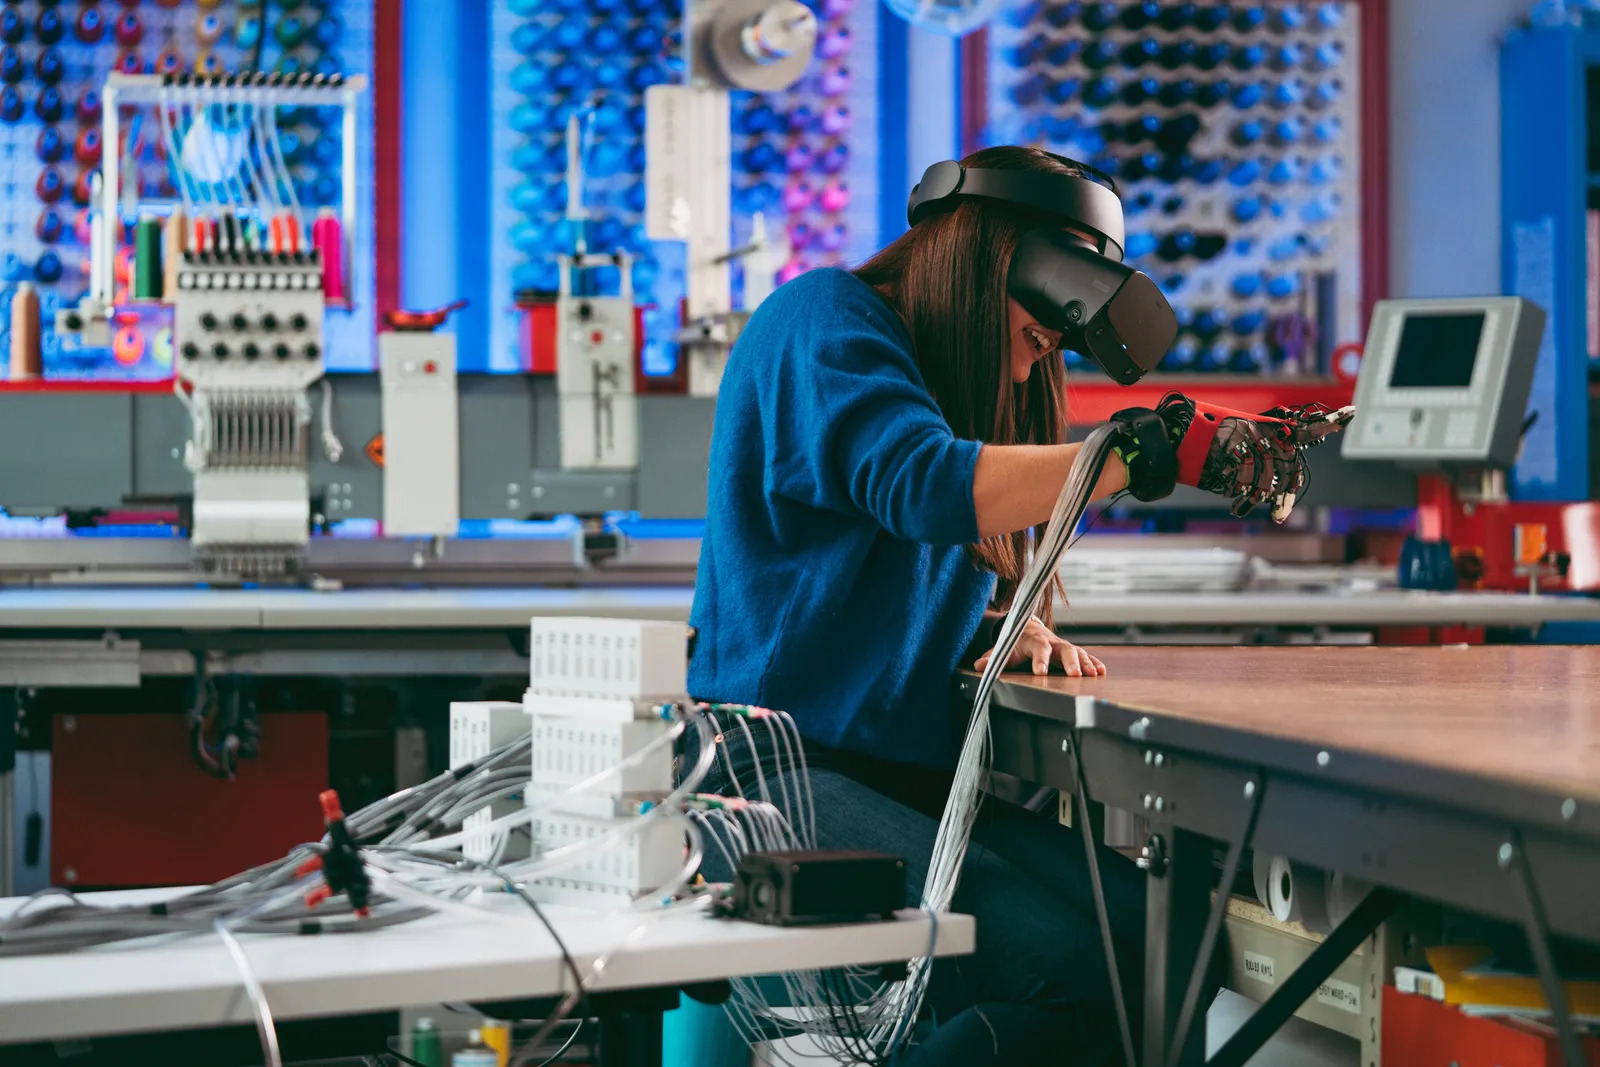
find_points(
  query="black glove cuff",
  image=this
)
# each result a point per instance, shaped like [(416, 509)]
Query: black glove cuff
[(1144, 442)]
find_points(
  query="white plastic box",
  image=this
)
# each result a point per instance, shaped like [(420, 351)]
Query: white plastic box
[(572, 749), (477, 728), (618, 658), (641, 861)]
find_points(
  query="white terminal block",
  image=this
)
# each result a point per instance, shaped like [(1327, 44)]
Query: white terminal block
[(637, 862), (569, 750), (620, 659), (477, 728)]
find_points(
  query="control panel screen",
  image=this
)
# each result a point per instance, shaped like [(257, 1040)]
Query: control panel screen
[(1437, 351)]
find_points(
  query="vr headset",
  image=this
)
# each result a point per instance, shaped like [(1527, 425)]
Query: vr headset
[(1107, 312)]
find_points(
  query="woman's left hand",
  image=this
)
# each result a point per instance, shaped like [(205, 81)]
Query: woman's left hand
[(1038, 645)]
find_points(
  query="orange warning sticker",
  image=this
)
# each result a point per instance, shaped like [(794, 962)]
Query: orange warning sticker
[(374, 450)]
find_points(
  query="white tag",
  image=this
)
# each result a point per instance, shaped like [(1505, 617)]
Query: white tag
[(1341, 995), (1260, 968)]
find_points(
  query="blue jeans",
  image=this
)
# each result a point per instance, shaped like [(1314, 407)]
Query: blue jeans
[(1037, 990)]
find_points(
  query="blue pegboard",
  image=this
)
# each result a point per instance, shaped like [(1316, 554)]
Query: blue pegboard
[(1233, 132), (53, 61), (793, 150)]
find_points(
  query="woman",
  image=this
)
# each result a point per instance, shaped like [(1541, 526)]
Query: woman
[(884, 441)]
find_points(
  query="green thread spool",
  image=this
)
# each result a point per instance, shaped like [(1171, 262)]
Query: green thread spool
[(147, 276)]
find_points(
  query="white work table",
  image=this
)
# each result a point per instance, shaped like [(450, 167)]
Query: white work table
[(191, 982), (130, 609)]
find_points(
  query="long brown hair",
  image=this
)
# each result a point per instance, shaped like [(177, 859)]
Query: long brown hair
[(946, 278)]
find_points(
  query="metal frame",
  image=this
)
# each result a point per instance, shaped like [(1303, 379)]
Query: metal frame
[(1502, 849)]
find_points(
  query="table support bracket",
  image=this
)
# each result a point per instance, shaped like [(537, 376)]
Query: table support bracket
[(1091, 850), (1536, 924), (1377, 906), (1202, 967)]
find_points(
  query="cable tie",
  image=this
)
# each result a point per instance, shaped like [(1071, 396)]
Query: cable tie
[(158, 909), (309, 926)]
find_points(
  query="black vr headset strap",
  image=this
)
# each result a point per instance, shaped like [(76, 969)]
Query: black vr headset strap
[(1079, 202), (1144, 443)]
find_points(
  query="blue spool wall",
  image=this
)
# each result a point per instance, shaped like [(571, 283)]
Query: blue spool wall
[(54, 57), (796, 154), (1232, 131)]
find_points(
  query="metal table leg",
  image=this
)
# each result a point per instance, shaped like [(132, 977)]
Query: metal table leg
[(1176, 905)]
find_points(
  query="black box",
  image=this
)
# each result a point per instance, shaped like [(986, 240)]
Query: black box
[(807, 888)]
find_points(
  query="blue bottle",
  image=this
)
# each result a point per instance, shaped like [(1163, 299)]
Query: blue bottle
[(1326, 131), (1244, 173), (1139, 15), (1285, 172), (1178, 54), (1061, 15), (1326, 56), (1140, 53), (1100, 55), (1174, 166), (1287, 93), (1138, 92), (1063, 90), (527, 38), (1245, 134), (1320, 209), (1028, 52), (1248, 322), (1286, 57), (1212, 18), (1175, 17), (1210, 94), (49, 106), (1064, 52), (1178, 93), (1288, 132), (1183, 355), (1099, 17), (1245, 286), (1249, 19), (1324, 170), (1102, 92), (1327, 16), (1029, 90), (13, 27), (1248, 57), (48, 268), (1144, 128), (1248, 94), (1212, 55), (1287, 18), (1246, 209), (1283, 286), (1206, 171), (1284, 249), (12, 107), (1322, 95), (1215, 357)]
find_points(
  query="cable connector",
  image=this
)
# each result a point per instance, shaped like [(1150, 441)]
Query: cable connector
[(340, 862)]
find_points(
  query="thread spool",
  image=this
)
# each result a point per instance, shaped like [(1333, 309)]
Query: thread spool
[(26, 358), (49, 187), (49, 106), (49, 27), (328, 237), (129, 29), (208, 29), (170, 61), (174, 234), (127, 345), (1293, 892), (90, 26), (1580, 525)]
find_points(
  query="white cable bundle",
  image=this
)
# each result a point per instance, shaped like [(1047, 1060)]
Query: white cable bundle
[(955, 827)]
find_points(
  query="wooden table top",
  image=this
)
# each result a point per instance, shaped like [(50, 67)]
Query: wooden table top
[(1524, 714)]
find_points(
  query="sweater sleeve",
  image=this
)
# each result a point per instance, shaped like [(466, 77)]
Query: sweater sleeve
[(853, 429)]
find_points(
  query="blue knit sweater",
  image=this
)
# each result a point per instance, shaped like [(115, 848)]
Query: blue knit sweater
[(834, 583)]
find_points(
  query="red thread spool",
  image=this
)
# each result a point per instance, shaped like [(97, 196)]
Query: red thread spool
[(81, 229), (169, 61), (89, 107), (328, 236), (49, 187), (130, 63), (86, 149), (82, 190), (91, 24), (127, 347), (129, 30)]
